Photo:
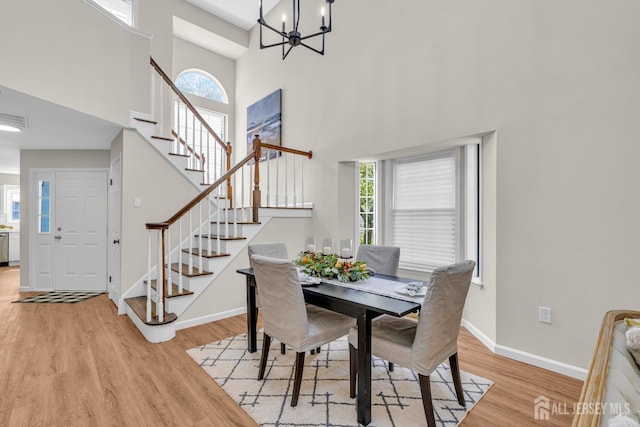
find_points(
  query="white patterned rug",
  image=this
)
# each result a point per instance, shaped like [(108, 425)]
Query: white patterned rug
[(324, 394)]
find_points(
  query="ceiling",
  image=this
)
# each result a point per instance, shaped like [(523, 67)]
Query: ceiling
[(241, 13), (51, 126)]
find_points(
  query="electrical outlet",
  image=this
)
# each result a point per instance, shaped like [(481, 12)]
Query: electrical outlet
[(544, 314), (137, 202)]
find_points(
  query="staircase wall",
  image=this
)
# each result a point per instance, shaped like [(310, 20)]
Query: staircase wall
[(163, 190), (227, 296), (69, 53)]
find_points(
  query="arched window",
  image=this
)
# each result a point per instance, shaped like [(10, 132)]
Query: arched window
[(201, 83)]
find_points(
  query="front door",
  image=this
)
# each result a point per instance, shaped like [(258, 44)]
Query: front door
[(80, 230)]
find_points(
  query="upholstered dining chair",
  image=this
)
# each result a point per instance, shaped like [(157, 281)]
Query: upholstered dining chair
[(273, 250), (425, 344), (286, 317), (381, 259)]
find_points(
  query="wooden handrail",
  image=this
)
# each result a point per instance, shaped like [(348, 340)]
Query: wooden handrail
[(309, 154), (184, 99), (200, 197)]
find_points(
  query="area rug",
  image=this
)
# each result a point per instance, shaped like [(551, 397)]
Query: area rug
[(61, 297), (324, 394)]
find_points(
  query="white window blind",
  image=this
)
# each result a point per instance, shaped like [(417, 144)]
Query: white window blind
[(424, 211), (121, 9)]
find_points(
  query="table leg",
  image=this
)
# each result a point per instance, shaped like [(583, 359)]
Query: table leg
[(363, 403), (252, 315)]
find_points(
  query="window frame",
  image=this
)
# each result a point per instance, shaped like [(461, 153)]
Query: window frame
[(225, 96), (386, 195)]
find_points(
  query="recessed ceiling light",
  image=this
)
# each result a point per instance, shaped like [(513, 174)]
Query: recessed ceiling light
[(9, 128)]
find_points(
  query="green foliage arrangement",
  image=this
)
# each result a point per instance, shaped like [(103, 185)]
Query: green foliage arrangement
[(330, 266)]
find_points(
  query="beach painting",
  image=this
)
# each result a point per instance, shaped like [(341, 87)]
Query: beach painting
[(264, 118)]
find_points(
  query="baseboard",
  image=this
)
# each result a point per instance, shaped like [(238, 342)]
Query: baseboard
[(523, 356), (488, 342), (542, 362), (189, 323)]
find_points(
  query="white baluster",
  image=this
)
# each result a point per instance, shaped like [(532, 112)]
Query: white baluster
[(180, 284), (278, 179), (235, 219), (149, 276), (193, 141), (268, 178), (183, 148), (226, 222), (218, 202), (207, 174), (161, 121), (176, 148), (169, 278), (190, 242), (242, 212), (159, 282), (302, 182), (200, 232), (294, 180), (286, 182), (209, 221)]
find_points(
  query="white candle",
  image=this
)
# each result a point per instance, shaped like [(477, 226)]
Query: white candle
[(326, 250), (345, 252), (311, 248)]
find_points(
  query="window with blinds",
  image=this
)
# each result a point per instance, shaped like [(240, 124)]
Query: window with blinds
[(424, 211), (121, 9)]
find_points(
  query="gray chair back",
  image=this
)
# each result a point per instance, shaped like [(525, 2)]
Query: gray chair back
[(439, 322), (382, 259), (282, 302), (272, 250)]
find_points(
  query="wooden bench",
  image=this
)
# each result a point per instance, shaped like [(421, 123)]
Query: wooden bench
[(612, 384)]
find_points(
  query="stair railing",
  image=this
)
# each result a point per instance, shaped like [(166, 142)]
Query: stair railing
[(193, 137), (217, 202)]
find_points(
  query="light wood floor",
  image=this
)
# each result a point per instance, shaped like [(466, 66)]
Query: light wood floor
[(83, 365)]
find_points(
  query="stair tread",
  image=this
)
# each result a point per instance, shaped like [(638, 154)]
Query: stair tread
[(153, 122), (139, 307), (239, 223), (175, 290), (178, 154), (185, 270), (215, 236), (164, 138), (194, 170), (205, 253)]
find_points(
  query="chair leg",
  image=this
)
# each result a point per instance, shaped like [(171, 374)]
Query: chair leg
[(425, 388), (390, 366), (297, 380), (282, 348), (314, 351), (266, 343), (455, 373), (353, 369)]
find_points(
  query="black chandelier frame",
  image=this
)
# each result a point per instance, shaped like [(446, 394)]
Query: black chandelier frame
[(294, 38)]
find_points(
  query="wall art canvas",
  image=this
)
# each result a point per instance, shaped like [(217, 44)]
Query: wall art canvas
[(264, 118)]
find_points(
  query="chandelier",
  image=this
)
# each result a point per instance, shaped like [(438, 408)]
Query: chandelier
[(293, 37)]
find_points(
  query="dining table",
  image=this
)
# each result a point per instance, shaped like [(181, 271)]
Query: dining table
[(378, 295)]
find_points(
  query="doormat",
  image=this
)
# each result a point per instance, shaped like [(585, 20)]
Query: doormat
[(324, 393), (56, 297)]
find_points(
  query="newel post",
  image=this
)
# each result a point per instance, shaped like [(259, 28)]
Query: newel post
[(229, 187), (257, 153)]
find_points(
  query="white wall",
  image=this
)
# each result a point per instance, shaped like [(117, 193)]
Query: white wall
[(227, 293), (146, 174), (558, 83), (47, 159), (68, 53)]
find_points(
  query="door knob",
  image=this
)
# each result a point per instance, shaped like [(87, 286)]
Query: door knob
[(58, 237), (116, 242)]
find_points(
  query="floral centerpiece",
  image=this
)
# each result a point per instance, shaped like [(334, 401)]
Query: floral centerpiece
[(331, 266)]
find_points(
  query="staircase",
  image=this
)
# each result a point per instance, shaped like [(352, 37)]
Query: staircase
[(187, 252)]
